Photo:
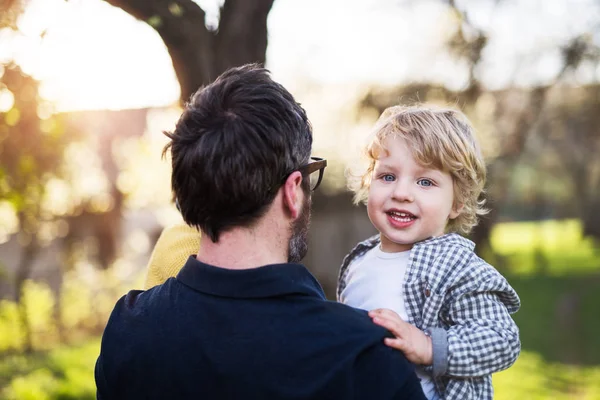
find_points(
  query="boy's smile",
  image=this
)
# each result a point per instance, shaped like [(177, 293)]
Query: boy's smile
[(401, 218), (408, 202)]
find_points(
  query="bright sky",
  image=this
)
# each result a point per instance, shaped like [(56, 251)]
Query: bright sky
[(96, 56)]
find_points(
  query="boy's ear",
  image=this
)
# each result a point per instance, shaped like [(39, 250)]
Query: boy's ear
[(456, 210)]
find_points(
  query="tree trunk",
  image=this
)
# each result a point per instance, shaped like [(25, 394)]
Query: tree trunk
[(57, 310), (198, 54), (242, 35), (21, 275)]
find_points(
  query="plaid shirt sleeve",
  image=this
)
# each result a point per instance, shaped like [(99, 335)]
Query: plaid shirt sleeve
[(482, 336)]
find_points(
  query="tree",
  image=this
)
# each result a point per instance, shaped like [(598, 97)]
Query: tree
[(200, 53), (31, 148)]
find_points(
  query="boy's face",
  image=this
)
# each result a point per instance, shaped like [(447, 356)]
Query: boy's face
[(408, 202)]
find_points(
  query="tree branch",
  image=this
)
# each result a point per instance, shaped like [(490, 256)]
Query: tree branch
[(180, 24)]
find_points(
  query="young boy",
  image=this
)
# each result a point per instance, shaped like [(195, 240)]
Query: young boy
[(448, 309)]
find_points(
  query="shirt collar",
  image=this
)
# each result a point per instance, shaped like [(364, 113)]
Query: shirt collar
[(267, 281), (448, 238)]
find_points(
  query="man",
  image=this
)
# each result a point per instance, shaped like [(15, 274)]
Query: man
[(242, 319)]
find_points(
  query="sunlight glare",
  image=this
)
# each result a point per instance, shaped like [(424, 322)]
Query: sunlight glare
[(84, 65), (7, 100), (57, 198), (9, 224)]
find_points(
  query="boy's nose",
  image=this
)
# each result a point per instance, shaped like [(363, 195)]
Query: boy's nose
[(403, 191)]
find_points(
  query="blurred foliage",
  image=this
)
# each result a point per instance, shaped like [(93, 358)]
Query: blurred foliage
[(63, 373), (54, 370), (86, 300), (32, 147), (551, 247)]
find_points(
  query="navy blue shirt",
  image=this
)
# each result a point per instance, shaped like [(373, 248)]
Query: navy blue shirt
[(264, 333)]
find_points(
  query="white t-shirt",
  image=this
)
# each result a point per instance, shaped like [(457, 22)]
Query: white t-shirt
[(377, 281)]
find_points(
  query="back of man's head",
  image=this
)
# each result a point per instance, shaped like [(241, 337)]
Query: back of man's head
[(236, 141)]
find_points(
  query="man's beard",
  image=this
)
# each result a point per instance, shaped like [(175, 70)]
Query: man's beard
[(298, 245)]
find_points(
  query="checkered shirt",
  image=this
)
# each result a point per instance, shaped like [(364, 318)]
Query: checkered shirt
[(449, 289)]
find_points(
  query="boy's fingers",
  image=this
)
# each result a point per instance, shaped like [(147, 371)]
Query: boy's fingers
[(393, 318), (384, 312), (396, 343), (388, 324)]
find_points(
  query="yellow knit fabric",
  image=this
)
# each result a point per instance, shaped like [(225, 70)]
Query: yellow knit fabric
[(173, 248)]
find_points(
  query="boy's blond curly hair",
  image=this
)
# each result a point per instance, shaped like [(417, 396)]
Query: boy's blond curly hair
[(440, 138)]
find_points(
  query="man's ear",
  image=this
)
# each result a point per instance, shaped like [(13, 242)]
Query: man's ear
[(456, 210), (293, 194)]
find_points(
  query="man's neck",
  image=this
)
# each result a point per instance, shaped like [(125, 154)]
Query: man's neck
[(242, 248)]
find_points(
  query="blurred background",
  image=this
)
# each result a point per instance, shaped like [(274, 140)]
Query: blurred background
[(88, 86)]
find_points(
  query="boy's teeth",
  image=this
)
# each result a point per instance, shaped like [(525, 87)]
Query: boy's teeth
[(404, 217)]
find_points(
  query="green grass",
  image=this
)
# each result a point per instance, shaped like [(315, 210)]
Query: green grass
[(561, 298), (558, 318), (533, 378), (556, 272), (546, 247)]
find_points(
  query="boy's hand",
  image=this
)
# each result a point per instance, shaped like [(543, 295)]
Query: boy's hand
[(415, 345)]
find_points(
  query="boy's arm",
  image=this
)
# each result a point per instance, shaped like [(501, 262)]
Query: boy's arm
[(482, 338)]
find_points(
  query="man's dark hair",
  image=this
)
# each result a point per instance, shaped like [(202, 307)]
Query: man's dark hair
[(235, 143)]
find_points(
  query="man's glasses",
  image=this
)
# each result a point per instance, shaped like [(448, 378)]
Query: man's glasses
[(314, 170)]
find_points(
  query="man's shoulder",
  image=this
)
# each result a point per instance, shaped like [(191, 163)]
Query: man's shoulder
[(385, 373), (380, 371), (355, 329), (138, 306), (137, 321), (351, 317)]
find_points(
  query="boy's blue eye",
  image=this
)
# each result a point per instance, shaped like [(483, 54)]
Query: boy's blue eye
[(425, 182), (388, 178)]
